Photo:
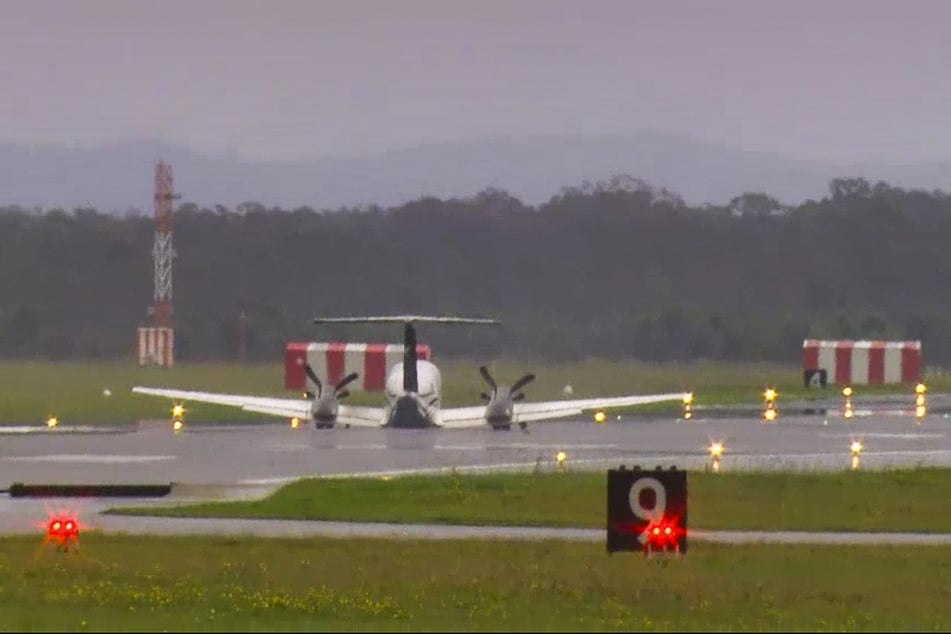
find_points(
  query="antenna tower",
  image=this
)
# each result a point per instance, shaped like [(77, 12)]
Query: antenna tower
[(162, 250)]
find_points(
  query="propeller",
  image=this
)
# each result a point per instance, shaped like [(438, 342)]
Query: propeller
[(338, 388), (324, 406), (313, 377), (502, 397), (339, 391), (522, 382), (516, 395)]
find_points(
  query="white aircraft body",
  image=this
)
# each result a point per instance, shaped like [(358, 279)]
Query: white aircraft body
[(411, 395)]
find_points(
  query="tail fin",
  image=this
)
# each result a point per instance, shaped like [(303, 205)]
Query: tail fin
[(410, 380)]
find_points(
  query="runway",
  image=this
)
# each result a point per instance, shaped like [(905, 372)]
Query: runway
[(251, 460)]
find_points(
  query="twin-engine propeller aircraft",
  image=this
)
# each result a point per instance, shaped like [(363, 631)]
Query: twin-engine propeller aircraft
[(412, 394)]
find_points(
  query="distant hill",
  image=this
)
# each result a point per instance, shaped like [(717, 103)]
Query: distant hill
[(118, 178)]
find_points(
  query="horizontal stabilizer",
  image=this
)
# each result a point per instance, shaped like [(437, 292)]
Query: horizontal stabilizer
[(404, 319)]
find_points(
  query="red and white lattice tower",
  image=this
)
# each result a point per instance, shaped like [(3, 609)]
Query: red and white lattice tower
[(162, 251), (156, 343)]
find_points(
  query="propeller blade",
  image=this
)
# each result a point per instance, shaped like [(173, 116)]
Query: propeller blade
[(485, 396), (313, 377), (345, 380), (522, 382), (343, 394), (517, 397), (484, 371)]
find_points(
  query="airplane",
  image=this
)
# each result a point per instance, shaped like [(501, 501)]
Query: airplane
[(412, 394)]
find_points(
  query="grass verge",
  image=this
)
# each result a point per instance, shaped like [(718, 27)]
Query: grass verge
[(74, 391), (142, 583), (916, 500)]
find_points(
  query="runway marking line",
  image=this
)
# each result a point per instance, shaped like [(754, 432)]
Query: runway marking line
[(905, 436), (88, 458)]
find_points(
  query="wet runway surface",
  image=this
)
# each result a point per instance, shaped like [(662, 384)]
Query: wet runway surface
[(271, 453), (250, 460)]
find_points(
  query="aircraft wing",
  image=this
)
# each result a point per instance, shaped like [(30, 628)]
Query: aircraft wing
[(288, 407), (467, 417), (463, 417), (358, 416), (271, 406), (526, 412)]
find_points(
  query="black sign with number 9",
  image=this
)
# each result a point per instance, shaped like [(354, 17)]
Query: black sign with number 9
[(647, 509)]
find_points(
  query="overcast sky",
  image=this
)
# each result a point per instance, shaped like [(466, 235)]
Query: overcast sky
[(828, 80)]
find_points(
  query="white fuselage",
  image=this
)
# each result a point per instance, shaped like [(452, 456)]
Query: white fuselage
[(427, 398)]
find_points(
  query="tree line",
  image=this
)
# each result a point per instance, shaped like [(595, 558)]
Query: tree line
[(615, 269)]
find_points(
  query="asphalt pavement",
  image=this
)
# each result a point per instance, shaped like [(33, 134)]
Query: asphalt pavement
[(246, 461)]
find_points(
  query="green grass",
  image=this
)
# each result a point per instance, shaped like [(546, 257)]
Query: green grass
[(143, 583), (73, 391), (916, 500)]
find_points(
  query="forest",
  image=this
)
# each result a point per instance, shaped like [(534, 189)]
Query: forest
[(615, 269)]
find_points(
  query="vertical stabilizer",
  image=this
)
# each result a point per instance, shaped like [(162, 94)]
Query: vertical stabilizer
[(410, 381), (410, 378)]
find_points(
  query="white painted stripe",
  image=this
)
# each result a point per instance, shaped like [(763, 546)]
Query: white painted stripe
[(875, 412), (394, 355), (370, 446), (859, 434), (553, 447), (827, 362), (481, 447), (288, 447), (317, 359), (267, 481), (89, 458), (37, 429), (566, 446), (893, 363), (460, 447), (859, 366), (354, 360)]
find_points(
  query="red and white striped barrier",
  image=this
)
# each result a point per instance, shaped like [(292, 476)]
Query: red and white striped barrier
[(156, 346), (863, 362), (333, 361)]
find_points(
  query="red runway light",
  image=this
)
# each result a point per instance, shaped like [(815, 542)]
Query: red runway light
[(663, 533), (62, 528)]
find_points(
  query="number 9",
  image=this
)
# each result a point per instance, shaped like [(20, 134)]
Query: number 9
[(652, 515)]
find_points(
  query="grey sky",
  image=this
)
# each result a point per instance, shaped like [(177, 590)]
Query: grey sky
[(829, 80)]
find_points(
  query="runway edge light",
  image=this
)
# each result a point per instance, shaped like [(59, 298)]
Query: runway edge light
[(178, 416), (855, 448), (769, 395), (847, 393), (716, 449)]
